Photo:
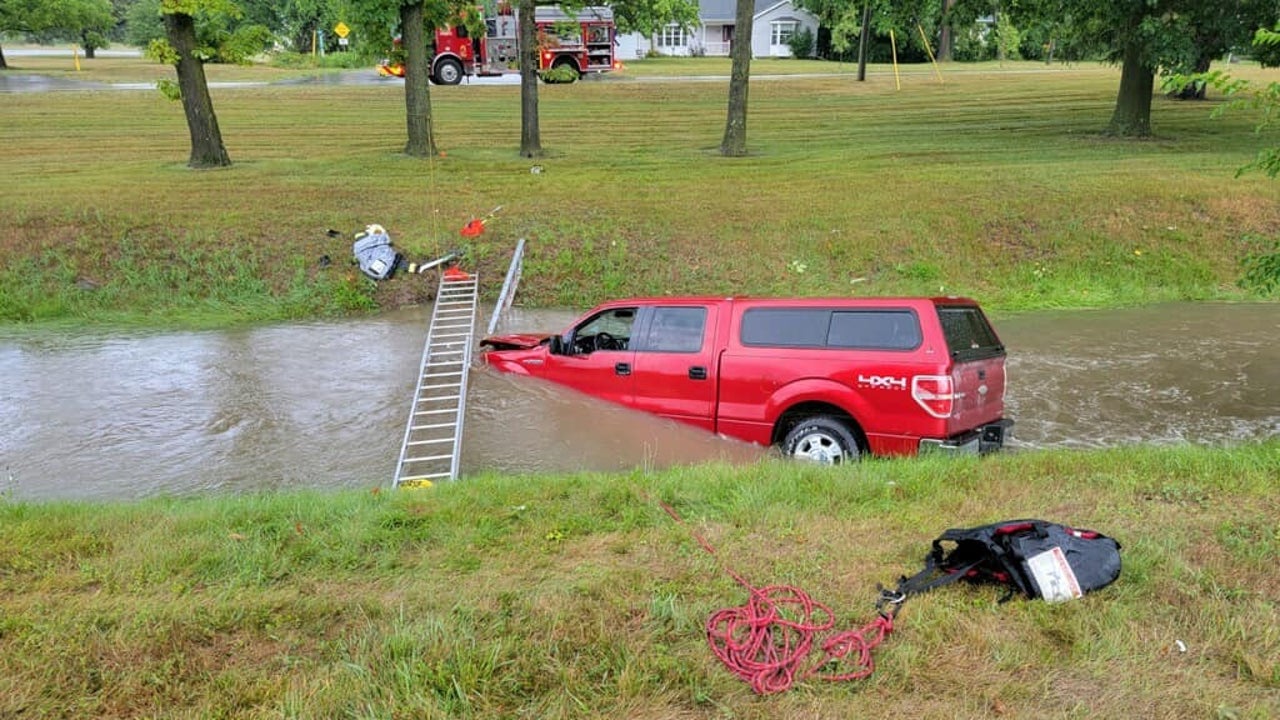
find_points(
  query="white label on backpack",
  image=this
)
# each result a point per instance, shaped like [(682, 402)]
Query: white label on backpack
[(1053, 576)]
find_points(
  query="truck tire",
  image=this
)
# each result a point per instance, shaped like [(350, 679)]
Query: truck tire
[(822, 439), (448, 72)]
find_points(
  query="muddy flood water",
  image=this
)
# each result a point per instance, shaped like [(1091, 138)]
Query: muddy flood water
[(121, 416)]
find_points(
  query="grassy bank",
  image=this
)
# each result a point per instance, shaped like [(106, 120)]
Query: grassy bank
[(994, 183), (559, 597)]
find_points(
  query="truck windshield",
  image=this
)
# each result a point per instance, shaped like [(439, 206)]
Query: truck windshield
[(969, 335)]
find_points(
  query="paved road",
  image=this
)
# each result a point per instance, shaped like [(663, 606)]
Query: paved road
[(64, 51)]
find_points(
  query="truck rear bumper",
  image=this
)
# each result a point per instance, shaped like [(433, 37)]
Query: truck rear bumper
[(979, 441)]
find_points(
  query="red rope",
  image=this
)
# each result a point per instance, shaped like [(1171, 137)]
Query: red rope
[(767, 641)]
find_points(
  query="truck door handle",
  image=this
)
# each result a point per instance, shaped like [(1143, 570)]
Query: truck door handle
[(697, 372), (622, 369)]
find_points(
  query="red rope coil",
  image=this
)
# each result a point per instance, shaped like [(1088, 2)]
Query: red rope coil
[(767, 641)]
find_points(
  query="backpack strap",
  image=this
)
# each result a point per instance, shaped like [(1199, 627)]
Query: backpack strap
[(936, 573)]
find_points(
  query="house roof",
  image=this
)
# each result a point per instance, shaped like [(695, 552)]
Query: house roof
[(727, 10)]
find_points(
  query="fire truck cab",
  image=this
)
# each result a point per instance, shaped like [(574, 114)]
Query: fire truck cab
[(582, 41)]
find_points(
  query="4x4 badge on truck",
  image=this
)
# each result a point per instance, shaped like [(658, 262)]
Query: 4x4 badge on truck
[(887, 382)]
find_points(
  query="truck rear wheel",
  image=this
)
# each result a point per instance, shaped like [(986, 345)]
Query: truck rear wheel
[(822, 439), (448, 72)]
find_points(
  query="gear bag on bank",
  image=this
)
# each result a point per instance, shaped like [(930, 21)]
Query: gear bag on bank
[(1037, 558)]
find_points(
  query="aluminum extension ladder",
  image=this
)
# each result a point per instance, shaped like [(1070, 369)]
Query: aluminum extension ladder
[(433, 435)]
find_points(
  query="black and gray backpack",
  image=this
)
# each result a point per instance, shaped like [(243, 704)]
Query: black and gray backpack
[(1036, 558)]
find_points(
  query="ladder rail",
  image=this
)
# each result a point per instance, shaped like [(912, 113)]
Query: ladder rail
[(462, 393), (508, 293)]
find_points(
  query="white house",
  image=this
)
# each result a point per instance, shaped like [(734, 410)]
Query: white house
[(772, 25)]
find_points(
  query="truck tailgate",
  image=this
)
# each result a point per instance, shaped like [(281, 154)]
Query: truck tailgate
[(979, 398)]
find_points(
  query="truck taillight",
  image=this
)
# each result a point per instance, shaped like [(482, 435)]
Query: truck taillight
[(934, 393)]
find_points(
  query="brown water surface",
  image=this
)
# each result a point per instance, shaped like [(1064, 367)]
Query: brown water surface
[(127, 415)]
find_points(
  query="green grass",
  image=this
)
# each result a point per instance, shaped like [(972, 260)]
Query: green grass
[(577, 596), (994, 183)]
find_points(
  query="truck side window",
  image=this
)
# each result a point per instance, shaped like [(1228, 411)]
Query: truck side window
[(676, 329), (609, 330), (786, 327), (874, 329)]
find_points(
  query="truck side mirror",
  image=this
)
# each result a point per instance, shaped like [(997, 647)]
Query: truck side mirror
[(556, 346)]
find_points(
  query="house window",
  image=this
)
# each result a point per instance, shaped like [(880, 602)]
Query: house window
[(673, 36), (782, 31)]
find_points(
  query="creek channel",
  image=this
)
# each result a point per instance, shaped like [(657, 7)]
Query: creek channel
[(124, 415)]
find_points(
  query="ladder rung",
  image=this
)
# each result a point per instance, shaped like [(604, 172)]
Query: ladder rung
[(436, 412), (431, 442), (443, 374), (440, 387), (425, 458), (440, 398), (434, 426), (428, 476)]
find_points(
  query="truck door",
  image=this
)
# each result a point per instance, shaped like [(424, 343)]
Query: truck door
[(674, 367), (597, 357)]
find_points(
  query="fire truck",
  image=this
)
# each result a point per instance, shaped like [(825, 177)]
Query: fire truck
[(582, 41)]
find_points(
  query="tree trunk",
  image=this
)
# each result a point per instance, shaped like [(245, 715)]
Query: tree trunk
[(207, 149), (864, 37), (1132, 116), (530, 133), (3, 65), (946, 43), (417, 85), (735, 126)]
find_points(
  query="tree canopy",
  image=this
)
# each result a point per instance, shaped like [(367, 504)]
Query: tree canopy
[(88, 21)]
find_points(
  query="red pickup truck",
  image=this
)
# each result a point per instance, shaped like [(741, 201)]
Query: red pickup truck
[(825, 379)]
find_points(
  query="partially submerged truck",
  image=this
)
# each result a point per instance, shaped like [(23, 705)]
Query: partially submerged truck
[(825, 379)]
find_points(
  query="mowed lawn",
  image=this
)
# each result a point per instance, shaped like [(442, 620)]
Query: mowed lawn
[(993, 182)]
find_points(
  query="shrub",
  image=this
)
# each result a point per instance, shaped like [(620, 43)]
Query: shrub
[(801, 43), (559, 74), (972, 45), (1262, 271)]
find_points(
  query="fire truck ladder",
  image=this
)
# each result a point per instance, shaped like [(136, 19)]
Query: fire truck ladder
[(433, 434)]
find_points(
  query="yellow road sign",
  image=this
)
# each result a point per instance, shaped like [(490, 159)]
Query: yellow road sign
[(341, 29)]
